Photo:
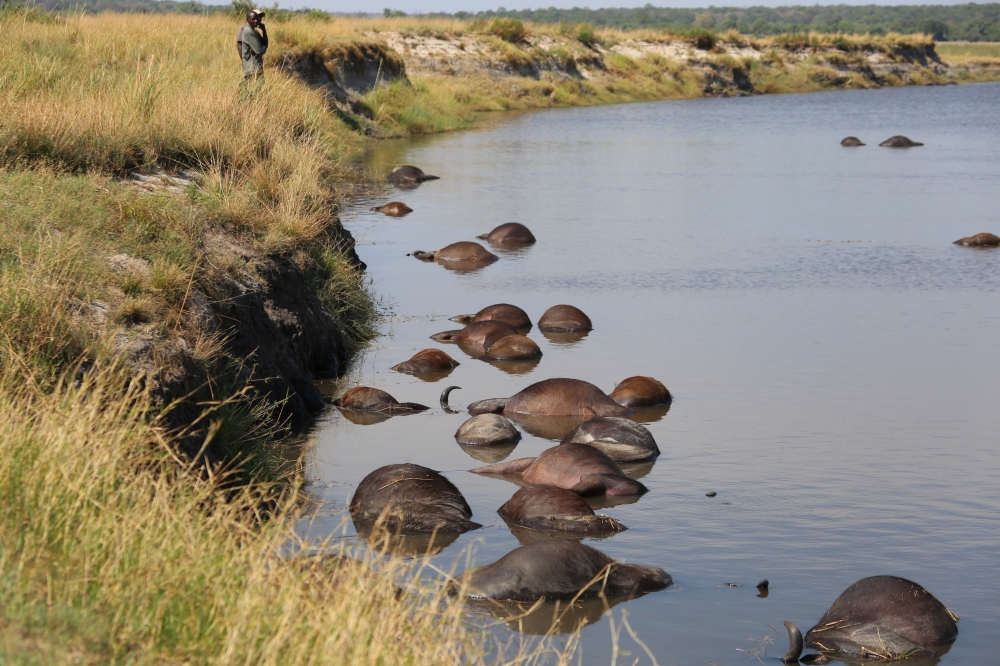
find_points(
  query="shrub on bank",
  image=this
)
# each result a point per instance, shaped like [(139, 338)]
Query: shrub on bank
[(585, 33), (508, 29)]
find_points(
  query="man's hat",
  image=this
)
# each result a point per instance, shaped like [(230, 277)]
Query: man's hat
[(255, 13)]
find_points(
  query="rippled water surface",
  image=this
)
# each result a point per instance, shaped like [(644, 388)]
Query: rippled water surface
[(835, 360)]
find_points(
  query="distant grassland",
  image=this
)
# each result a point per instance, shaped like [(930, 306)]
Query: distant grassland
[(965, 52)]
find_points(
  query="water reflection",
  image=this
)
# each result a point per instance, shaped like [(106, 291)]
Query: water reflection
[(363, 418), (431, 377), (389, 543), (650, 414), (465, 266), (489, 454), (607, 501), (565, 339), (328, 388), (636, 470), (514, 367), (512, 250), (547, 618)]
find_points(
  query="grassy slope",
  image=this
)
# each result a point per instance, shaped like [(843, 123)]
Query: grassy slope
[(110, 549), (986, 54)]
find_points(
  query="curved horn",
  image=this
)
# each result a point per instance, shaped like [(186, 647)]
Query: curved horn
[(444, 396), (794, 643)]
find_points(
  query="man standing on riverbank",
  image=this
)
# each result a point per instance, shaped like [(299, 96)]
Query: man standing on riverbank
[(252, 45)]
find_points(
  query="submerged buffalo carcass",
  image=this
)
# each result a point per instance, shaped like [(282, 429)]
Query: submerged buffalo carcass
[(411, 499), (461, 256), (558, 569), (372, 400), (878, 618), (979, 240), (408, 176), (622, 440), (556, 510), (577, 467), (427, 361), (393, 209), (564, 319), (641, 392), (899, 141), (492, 340), (512, 234), (554, 397), (502, 312)]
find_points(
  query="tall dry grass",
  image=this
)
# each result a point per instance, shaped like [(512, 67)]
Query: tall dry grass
[(112, 552), (119, 93)]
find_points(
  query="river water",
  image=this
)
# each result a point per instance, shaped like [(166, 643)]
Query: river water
[(834, 359)]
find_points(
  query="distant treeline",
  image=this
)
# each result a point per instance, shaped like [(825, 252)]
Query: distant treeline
[(969, 22)]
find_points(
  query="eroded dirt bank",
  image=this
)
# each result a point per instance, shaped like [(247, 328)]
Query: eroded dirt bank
[(486, 72)]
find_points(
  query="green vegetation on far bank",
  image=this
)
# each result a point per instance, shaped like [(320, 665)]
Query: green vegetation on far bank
[(968, 22), (962, 22)]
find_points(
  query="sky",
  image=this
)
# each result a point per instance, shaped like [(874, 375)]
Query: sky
[(422, 6)]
